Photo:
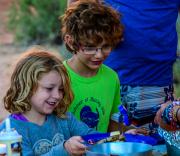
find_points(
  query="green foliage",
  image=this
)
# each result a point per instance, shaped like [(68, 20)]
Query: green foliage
[(35, 21), (176, 70), (178, 32), (176, 67)]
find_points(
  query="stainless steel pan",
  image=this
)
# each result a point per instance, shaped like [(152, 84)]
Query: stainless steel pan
[(120, 149)]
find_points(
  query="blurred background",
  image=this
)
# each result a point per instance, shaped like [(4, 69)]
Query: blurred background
[(24, 23)]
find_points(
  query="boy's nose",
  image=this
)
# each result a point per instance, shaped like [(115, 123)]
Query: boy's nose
[(99, 53)]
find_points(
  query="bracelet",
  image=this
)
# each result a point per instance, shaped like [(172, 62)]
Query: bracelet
[(174, 113), (169, 115), (178, 122), (166, 115)]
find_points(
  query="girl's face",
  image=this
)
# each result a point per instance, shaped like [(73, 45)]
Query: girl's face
[(48, 94)]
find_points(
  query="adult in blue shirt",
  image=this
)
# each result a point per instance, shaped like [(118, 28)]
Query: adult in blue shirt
[(144, 60)]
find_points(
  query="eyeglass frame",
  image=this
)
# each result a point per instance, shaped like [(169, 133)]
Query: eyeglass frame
[(95, 50)]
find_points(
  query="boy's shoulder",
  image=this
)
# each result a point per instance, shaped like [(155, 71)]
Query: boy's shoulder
[(13, 124), (107, 69)]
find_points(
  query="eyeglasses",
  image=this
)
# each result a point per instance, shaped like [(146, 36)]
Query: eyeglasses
[(95, 50)]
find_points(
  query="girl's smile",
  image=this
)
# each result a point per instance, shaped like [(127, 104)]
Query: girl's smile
[(47, 96)]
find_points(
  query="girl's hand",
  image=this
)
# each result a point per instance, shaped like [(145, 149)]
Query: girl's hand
[(74, 146)]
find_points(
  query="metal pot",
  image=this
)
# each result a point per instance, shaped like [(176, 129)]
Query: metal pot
[(172, 150), (120, 149)]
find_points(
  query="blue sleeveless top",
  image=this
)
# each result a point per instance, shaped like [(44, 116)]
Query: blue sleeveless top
[(148, 51)]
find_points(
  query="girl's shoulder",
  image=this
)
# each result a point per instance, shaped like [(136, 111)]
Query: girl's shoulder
[(13, 123), (2, 125), (69, 119), (68, 116)]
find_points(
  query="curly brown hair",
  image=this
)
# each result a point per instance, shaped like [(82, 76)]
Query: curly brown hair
[(90, 23), (24, 80)]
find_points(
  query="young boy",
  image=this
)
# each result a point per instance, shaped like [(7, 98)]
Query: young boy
[(90, 31)]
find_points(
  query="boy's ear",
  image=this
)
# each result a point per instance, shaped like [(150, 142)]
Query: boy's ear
[(68, 40)]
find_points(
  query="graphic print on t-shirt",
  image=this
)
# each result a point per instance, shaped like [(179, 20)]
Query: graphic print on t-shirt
[(89, 117), (43, 146), (89, 110)]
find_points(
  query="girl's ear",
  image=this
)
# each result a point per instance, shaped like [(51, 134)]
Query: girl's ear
[(68, 40)]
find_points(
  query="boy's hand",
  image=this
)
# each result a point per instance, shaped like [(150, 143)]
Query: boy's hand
[(74, 146)]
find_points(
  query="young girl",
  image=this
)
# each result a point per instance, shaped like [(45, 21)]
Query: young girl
[(38, 97)]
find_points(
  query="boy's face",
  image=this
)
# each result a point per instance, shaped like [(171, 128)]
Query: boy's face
[(93, 56), (48, 94)]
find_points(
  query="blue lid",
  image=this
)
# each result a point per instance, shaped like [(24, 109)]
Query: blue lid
[(91, 139), (122, 110), (124, 113), (126, 120), (140, 138)]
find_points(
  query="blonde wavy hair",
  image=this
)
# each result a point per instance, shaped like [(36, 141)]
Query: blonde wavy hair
[(24, 81)]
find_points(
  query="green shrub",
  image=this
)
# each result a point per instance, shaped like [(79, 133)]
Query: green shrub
[(178, 32), (176, 70), (35, 21), (176, 67)]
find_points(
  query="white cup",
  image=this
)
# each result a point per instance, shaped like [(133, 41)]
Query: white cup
[(3, 150), (12, 140)]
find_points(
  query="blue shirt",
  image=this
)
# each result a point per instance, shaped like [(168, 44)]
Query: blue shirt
[(147, 54), (48, 139)]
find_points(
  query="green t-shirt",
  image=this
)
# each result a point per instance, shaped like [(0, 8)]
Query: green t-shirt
[(95, 98)]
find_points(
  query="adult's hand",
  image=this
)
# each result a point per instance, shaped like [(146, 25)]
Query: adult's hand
[(158, 118)]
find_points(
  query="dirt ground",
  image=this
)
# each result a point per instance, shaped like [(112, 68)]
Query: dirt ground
[(8, 53)]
